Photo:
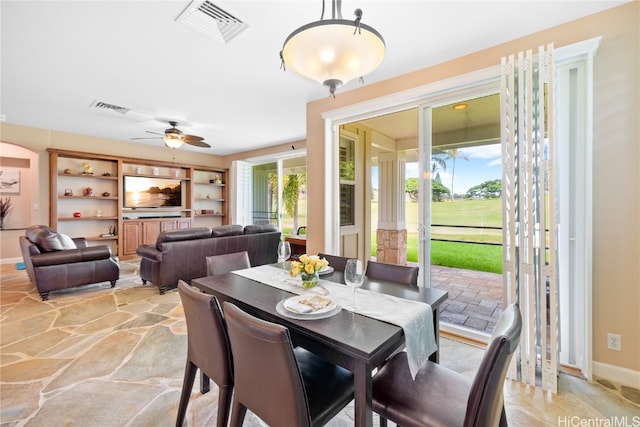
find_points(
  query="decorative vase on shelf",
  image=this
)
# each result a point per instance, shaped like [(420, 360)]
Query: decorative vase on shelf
[(309, 281)]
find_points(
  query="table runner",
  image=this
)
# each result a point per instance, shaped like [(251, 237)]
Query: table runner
[(414, 317)]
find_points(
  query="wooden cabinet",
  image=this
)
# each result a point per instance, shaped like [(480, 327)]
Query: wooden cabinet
[(136, 233), (175, 224), (132, 237), (87, 199), (145, 231)]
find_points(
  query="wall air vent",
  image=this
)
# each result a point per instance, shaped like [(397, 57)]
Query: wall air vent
[(99, 105), (211, 20)]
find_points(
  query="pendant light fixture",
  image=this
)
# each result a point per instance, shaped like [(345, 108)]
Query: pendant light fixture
[(333, 51)]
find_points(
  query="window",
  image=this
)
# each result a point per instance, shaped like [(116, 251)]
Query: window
[(347, 181)]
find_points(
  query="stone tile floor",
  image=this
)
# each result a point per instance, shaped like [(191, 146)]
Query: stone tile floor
[(96, 356)]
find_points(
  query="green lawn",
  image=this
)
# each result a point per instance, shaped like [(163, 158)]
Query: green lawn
[(451, 254), (460, 255)]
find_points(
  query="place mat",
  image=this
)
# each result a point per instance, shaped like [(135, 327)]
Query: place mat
[(414, 317)]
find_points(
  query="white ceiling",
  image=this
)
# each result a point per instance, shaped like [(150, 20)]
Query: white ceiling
[(57, 57)]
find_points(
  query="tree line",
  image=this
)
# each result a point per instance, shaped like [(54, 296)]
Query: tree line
[(487, 190)]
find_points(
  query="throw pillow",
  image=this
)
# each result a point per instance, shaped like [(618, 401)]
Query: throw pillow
[(67, 242)]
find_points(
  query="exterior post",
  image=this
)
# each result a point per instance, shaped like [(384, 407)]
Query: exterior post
[(391, 235)]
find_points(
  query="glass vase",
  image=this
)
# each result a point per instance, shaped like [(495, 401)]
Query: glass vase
[(309, 281)]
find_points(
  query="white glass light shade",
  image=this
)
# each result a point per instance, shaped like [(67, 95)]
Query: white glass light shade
[(333, 51), (173, 140)]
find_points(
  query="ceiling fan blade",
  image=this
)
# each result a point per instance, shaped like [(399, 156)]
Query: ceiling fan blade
[(192, 137), (154, 133), (151, 137), (196, 141)]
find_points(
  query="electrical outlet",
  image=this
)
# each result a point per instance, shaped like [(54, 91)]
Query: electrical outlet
[(614, 342)]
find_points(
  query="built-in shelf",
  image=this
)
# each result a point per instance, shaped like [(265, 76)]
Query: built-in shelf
[(210, 183), (153, 210), (131, 226), (79, 175), (86, 218), (146, 175), (88, 197)]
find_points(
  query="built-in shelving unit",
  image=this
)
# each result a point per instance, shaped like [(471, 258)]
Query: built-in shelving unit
[(87, 199), (209, 196)]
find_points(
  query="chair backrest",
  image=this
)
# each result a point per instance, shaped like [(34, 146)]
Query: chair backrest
[(268, 381), (403, 274), (208, 344), (337, 262), (485, 404), (223, 264), (301, 230)]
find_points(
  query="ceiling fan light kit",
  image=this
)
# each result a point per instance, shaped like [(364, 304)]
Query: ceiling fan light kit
[(333, 51), (173, 140), (174, 137)]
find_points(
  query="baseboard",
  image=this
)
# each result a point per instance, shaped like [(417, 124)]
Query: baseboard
[(10, 260), (617, 374), (479, 339)]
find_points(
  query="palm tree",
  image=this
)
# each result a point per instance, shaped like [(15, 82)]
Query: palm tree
[(454, 154), (438, 162)]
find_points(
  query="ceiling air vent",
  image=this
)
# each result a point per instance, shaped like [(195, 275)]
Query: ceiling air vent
[(211, 20), (99, 105)]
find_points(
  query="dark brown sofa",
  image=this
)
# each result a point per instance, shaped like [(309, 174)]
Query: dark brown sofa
[(181, 254), (51, 265)]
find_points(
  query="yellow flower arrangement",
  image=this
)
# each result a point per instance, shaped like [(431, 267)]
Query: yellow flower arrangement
[(308, 267)]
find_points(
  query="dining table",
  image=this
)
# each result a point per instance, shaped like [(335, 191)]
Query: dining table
[(356, 342)]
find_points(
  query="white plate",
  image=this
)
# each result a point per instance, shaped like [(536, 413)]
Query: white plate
[(327, 270), (311, 316), (294, 305)]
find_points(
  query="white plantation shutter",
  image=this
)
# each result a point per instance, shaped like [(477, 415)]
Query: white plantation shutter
[(529, 212), (240, 193)]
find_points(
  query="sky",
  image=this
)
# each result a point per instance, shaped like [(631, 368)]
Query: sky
[(484, 164)]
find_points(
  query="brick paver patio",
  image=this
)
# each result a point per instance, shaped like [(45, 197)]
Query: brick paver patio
[(475, 297)]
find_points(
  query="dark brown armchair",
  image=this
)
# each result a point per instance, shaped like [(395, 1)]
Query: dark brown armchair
[(54, 261)]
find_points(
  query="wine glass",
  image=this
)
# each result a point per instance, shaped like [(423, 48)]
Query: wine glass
[(353, 277), (284, 252)]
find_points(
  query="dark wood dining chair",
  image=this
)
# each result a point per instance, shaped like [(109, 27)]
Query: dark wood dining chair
[(226, 263), (337, 262), (207, 349), (282, 386), (441, 397), (403, 274)]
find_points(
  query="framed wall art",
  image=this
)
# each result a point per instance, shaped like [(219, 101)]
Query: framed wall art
[(9, 180)]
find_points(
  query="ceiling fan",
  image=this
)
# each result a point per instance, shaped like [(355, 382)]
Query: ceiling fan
[(174, 137)]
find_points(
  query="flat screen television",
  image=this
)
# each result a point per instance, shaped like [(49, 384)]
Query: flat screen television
[(151, 192)]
